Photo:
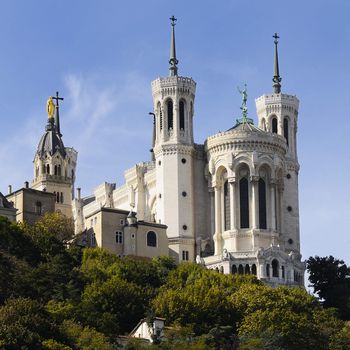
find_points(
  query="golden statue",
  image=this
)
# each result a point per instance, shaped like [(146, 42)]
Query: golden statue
[(50, 107)]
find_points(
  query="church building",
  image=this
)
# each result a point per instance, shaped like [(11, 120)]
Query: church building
[(230, 203)]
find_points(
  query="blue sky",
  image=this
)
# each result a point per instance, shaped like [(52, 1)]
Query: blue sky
[(103, 55)]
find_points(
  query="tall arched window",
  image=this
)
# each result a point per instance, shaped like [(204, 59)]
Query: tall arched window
[(47, 169), (119, 237), (59, 170), (170, 114), (268, 270), (262, 204), (227, 215), (244, 202), (234, 269), (159, 109), (240, 269), (254, 269), (274, 125), (151, 239), (182, 115), (275, 272), (247, 269), (286, 130)]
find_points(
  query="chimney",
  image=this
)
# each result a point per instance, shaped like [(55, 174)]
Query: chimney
[(9, 189), (79, 193), (26, 184)]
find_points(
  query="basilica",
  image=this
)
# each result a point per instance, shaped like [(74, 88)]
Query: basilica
[(230, 203)]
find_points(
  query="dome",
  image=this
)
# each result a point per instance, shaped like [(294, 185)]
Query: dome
[(51, 142)]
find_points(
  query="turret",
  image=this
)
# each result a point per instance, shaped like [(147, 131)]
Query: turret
[(54, 164), (173, 99)]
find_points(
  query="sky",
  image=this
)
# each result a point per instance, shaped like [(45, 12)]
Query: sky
[(102, 56)]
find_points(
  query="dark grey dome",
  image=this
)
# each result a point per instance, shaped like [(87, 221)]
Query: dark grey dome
[(51, 142)]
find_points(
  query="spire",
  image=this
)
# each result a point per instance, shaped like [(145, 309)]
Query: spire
[(173, 61), (276, 78)]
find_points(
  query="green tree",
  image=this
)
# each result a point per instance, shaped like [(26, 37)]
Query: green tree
[(24, 324), (113, 307), (341, 339), (84, 338), (196, 296), (330, 279), (282, 318)]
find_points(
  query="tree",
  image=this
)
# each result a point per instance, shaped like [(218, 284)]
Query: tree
[(282, 318), (341, 339), (196, 296), (330, 279), (24, 324)]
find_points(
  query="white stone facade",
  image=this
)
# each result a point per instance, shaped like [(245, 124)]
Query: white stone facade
[(230, 203)]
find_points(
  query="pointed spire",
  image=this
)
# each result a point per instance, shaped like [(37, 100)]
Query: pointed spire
[(276, 78), (173, 61)]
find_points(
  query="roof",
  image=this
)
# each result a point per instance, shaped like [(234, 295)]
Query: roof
[(31, 190), (246, 125), (4, 203), (51, 142)]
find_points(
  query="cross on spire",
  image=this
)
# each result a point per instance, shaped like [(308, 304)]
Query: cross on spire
[(173, 20), (57, 98), (57, 118), (276, 78), (173, 61)]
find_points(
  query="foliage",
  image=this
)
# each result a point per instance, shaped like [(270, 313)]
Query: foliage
[(330, 279), (341, 339), (23, 324), (282, 318), (58, 298)]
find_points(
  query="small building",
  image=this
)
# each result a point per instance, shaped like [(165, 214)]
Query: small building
[(7, 209), (121, 233), (31, 204), (144, 332)]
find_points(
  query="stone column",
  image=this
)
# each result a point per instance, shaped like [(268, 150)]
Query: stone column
[(218, 231), (273, 205), (255, 202), (233, 209), (212, 210)]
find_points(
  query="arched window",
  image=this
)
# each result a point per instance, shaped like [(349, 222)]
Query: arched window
[(244, 202), (48, 169), (38, 208), (275, 272), (247, 269), (274, 125), (240, 269), (234, 269), (227, 206), (286, 130), (55, 170), (151, 239), (57, 197), (254, 269), (159, 109), (283, 273), (268, 270), (59, 170), (119, 237), (61, 197), (182, 115), (262, 204), (170, 114)]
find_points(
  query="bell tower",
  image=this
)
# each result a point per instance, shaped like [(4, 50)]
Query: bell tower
[(173, 99), (278, 114), (55, 164)]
